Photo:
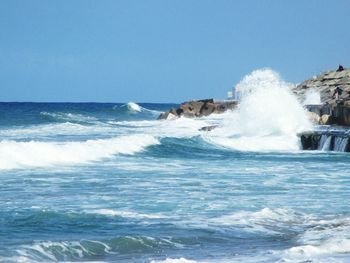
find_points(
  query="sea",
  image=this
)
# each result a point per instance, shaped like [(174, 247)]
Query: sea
[(108, 182)]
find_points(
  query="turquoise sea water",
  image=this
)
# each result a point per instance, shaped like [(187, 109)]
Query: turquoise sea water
[(110, 183)]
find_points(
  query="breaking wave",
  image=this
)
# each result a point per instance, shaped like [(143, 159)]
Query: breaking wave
[(87, 250), (268, 118), (319, 239), (125, 214), (67, 116), (42, 154), (134, 108)]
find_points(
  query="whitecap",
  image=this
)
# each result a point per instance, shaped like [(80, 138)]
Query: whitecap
[(15, 154), (126, 214), (132, 106), (176, 260)]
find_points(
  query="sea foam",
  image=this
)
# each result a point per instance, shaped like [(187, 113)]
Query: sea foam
[(176, 260), (125, 214), (15, 154)]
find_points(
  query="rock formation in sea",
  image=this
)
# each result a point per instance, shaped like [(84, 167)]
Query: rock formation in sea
[(330, 110), (198, 108)]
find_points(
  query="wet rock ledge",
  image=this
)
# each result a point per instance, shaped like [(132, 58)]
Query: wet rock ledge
[(331, 111), (331, 139), (198, 108)]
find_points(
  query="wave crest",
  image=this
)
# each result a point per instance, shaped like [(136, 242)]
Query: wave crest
[(134, 108), (68, 116), (43, 154)]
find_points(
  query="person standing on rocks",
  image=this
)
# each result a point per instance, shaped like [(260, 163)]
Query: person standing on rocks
[(337, 92)]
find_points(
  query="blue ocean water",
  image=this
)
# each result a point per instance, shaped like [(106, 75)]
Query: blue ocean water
[(110, 183)]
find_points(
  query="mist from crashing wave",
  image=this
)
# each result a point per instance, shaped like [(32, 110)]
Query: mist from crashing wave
[(268, 118)]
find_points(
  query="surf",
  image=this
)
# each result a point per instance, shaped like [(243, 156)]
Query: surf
[(268, 118), (14, 154)]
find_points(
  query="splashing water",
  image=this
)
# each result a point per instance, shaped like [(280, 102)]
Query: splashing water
[(312, 97), (132, 106), (268, 118)]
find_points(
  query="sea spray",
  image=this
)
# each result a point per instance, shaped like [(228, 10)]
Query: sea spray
[(268, 118), (312, 97)]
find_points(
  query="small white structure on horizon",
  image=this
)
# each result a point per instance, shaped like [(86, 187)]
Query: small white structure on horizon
[(230, 95), (234, 94), (237, 91)]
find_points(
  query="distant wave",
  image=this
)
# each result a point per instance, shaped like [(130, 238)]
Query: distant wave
[(134, 108), (55, 129), (67, 116), (15, 154), (125, 214)]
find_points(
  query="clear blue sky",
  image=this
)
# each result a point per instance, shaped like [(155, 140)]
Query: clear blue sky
[(160, 50)]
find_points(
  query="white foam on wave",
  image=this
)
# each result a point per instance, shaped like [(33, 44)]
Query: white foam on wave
[(264, 220), (52, 251), (126, 214), (134, 107), (326, 238), (175, 260), (57, 129), (320, 239), (334, 245), (269, 117), (330, 250), (178, 128), (68, 116), (44, 154)]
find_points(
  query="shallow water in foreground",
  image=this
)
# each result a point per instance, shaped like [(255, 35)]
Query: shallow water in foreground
[(109, 183)]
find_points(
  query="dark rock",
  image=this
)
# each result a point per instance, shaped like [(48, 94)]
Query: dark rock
[(338, 140), (199, 108), (194, 107), (208, 128), (326, 83), (208, 108), (310, 141), (169, 115)]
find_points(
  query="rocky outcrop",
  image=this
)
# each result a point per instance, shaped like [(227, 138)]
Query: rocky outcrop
[(198, 108), (330, 111), (326, 83), (330, 114), (208, 128)]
